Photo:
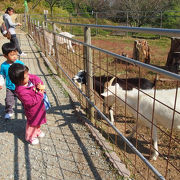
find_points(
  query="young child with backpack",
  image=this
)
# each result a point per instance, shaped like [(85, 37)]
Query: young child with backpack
[(31, 92)]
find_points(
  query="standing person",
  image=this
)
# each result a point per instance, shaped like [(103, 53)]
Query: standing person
[(30, 91), (10, 26), (9, 51)]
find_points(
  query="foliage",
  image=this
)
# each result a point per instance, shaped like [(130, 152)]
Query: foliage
[(67, 5), (141, 12), (172, 18)]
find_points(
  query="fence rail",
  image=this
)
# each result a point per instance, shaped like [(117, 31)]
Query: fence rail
[(95, 61)]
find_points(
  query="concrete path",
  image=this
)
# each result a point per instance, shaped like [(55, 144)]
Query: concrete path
[(66, 152)]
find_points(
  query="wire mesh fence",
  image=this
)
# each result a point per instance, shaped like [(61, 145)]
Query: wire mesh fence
[(141, 100)]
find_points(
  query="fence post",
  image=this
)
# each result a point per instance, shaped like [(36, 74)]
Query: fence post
[(70, 21), (45, 18), (38, 34), (89, 70), (28, 18), (34, 30), (32, 27), (161, 20), (127, 21), (96, 16), (56, 49), (44, 39)]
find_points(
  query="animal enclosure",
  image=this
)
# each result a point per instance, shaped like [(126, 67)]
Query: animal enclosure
[(97, 62)]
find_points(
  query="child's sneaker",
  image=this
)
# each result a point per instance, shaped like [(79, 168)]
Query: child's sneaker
[(8, 115), (35, 141), (41, 135)]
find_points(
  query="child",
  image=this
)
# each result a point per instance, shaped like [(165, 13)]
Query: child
[(30, 91), (10, 53)]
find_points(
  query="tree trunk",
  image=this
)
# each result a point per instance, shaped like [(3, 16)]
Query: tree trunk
[(141, 51), (173, 59)]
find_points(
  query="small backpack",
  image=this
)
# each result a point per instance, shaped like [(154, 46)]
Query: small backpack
[(4, 31)]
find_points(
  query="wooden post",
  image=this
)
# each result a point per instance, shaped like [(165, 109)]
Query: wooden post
[(56, 50), (173, 59), (141, 51), (38, 34), (29, 27), (70, 21), (89, 70), (44, 39), (96, 16), (45, 18), (34, 30), (127, 21)]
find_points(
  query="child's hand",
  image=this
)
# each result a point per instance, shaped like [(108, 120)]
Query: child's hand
[(35, 90), (41, 87), (41, 91), (1, 87)]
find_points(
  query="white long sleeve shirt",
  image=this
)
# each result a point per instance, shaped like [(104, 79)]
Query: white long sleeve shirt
[(9, 24)]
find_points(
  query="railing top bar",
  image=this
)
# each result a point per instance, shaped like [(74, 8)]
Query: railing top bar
[(158, 31)]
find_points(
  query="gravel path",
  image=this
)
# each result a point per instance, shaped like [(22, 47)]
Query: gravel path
[(66, 152)]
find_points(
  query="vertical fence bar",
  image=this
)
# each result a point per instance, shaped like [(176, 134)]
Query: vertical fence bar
[(127, 21), (45, 19), (96, 17), (33, 26), (55, 48), (44, 39), (29, 30), (89, 70)]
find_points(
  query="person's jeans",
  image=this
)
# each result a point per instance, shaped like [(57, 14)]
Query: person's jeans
[(16, 42), (9, 101)]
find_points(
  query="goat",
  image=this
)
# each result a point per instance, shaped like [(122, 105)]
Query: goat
[(60, 40), (160, 112), (103, 82)]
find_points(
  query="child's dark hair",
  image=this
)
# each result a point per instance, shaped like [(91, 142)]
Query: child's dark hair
[(9, 9), (16, 73), (8, 47)]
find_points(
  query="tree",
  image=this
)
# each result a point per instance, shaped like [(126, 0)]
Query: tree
[(67, 5), (51, 4), (36, 3), (99, 5), (140, 12)]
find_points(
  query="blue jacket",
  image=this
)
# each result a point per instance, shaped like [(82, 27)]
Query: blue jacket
[(4, 71)]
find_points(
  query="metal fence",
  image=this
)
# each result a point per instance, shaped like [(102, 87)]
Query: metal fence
[(101, 66)]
